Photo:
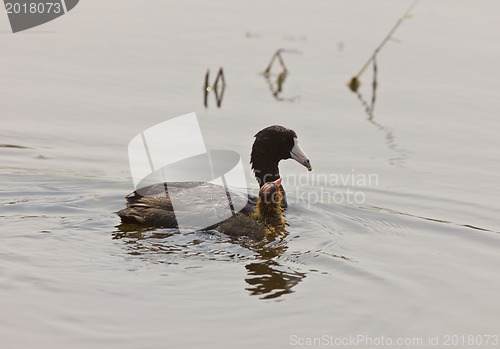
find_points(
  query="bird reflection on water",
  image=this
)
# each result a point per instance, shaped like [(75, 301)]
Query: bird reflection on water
[(271, 280), (266, 277)]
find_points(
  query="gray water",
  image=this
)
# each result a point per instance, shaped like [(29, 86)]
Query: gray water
[(416, 259)]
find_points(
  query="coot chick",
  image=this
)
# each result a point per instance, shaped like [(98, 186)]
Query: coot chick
[(151, 206), (266, 220)]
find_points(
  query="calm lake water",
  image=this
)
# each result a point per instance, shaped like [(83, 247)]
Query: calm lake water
[(395, 233)]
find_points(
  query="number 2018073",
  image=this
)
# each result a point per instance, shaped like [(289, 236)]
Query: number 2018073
[(33, 8)]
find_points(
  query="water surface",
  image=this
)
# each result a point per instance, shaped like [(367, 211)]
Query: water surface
[(417, 257)]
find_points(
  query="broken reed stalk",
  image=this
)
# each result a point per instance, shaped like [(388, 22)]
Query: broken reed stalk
[(215, 87), (207, 83), (220, 76), (374, 88), (218, 98), (354, 83), (206, 89), (277, 55)]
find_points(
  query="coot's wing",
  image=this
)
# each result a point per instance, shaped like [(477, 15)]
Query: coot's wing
[(194, 203)]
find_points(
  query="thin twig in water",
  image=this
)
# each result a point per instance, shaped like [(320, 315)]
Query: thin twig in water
[(354, 83), (206, 88), (277, 87), (219, 93), (220, 77), (277, 55), (374, 88)]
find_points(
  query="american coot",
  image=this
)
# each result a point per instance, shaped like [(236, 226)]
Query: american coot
[(151, 206), (273, 144), (266, 220)]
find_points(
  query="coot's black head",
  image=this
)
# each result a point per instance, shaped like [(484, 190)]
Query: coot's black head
[(272, 144)]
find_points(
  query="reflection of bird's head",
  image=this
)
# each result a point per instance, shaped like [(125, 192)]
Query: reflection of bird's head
[(269, 209), (271, 145)]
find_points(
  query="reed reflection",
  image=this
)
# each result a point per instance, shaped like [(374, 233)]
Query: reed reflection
[(276, 81), (369, 107), (355, 83)]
